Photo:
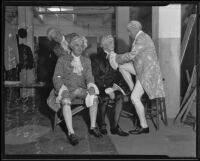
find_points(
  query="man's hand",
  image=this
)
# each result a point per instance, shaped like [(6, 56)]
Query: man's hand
[(55, 34), (91, 91), (112, 95)]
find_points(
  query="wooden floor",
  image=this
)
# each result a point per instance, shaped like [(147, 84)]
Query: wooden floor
[(28, 131)]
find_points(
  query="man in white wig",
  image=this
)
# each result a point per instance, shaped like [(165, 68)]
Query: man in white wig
[(73, 79), (126, 69)]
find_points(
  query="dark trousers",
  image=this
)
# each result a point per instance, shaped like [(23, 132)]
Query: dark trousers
[(116, 110)]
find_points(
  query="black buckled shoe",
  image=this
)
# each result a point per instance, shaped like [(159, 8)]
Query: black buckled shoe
[(118, 131), (73, 139), (103, 131), (95, 131), (134, 130), (141, 131)]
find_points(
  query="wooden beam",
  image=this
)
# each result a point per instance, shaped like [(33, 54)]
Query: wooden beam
[(81, 11), (187, 34)]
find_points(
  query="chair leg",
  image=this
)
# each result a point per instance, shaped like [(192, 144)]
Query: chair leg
[(157, 114), (165, 112), (153, 114), (162, 112), (152, 119), (55, 122)]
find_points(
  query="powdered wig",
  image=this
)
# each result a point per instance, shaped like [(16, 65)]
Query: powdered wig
[(51, 32), (134, 25), (77, 40)]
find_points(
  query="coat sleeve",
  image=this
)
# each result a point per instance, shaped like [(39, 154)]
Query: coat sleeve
[(89, 77), (58, 74), (96, 73), (127, 57)]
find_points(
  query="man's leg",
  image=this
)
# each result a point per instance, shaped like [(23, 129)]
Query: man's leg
[(102, 110), (129, 68), (82, 93), (117, 110), (136, 100), (115, 129), (93, 115), (126, 70), (67, 114)]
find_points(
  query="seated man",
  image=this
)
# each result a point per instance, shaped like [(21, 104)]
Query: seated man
[(73, 79), (126, 69), (105, 77)]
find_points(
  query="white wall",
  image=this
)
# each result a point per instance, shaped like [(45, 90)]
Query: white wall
[(166, 33), (170, 21)]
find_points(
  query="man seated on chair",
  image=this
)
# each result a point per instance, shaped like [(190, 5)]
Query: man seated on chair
[(73, 79), (107, 81)]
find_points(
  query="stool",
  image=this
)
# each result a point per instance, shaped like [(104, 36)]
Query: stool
[(157, 108)]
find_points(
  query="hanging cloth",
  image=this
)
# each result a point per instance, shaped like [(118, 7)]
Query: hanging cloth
[(26, 57), (11, 55)]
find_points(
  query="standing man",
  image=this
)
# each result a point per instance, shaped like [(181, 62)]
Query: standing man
[(148, 74)]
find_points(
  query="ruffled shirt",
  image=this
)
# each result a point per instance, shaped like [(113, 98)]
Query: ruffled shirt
[(76, 64)]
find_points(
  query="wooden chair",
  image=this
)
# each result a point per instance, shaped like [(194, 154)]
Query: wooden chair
[(156, 110)]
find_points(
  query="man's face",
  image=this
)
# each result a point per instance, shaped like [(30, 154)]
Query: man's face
[(109, 45), (77, 49), (56, 36), (132, 32)]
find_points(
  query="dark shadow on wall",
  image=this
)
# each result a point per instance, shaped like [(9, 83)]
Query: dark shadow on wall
[(143, 14), (121, 46), (45, 69)]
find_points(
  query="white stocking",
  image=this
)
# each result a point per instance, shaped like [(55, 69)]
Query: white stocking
[(126, 71), (136, 99), (67, 113), (93, 114)]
